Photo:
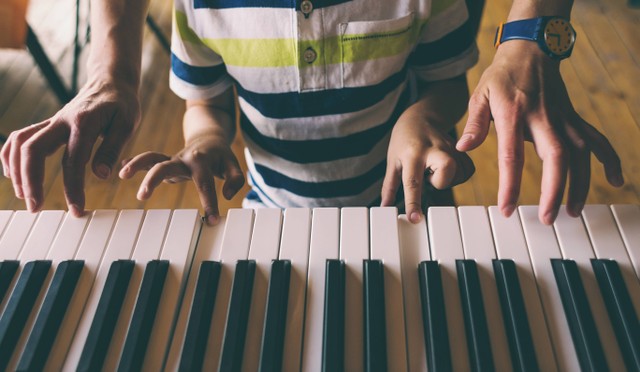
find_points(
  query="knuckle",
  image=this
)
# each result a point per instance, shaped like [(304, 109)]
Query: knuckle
[(556, 152), (412, 183)]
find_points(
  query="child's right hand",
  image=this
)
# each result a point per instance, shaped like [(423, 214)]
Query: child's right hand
[(201, 160)]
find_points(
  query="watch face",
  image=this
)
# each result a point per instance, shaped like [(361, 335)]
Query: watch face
[(559, 36)]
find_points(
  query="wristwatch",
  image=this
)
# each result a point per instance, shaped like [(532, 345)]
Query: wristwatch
[(554, 35)]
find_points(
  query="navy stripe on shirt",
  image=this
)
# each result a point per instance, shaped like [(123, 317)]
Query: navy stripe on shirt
[(451, 45), (318, 103), (196, 75), (328, 189), (328, 149), (226, 4)]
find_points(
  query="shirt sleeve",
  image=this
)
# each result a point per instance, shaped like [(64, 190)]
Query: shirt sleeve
[(447, 46), (197, 72)]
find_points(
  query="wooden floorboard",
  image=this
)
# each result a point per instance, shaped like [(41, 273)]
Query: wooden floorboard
[(602, 77)]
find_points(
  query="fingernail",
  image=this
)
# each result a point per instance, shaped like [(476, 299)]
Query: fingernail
[(31, 204), (466, 138), (103, 171), (414, 217), (142, 193), (213, 219), (5, 170), (618, 180), (75, 210), (508, 209)]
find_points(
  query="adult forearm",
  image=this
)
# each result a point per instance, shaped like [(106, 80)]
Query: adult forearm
[(116, 45), (522, 9)]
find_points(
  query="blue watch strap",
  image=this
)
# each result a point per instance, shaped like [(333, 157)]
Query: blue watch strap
[(527, 29)]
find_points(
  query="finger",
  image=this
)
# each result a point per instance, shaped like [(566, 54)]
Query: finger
[(443, 169), (579, 178), (5, 155), (33, 155), (144, 161), (478, 122), (233, 178), (551, 149), (510, 162), (390, 185), (74, 164), (605, 153), (412, 180), (157, 174), (18, 138), (109, 151), (206, 187)]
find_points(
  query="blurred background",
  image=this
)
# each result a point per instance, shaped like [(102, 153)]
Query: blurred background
[(602, 77)]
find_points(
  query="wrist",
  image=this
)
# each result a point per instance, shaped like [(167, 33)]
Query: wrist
[(526, 52), (524, 9)]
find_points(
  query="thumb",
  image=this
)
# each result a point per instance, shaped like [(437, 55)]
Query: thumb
[(478, 123)]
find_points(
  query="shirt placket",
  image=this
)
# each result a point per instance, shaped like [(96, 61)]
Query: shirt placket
[(310, 38)]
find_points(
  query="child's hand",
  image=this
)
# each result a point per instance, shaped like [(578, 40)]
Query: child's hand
[(201, 160), (419, 151)]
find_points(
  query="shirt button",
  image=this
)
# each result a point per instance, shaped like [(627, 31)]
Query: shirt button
[(306, 7), (310, 55)]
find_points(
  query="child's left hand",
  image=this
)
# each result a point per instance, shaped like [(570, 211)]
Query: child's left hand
[(419, 151)]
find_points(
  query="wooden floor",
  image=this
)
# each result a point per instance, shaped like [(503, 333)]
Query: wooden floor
[(602, 76)]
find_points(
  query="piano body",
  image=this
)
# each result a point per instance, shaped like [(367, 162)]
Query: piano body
[(326, 289)]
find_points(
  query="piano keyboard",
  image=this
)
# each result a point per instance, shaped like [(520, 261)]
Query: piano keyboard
[(350, 289)]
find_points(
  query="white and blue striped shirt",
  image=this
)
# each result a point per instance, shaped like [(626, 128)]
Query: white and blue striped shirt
[(319, 89)]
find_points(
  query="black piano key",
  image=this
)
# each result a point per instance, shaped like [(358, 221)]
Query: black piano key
[(621, 311), (106, 316), (275, 317), (8, 269), (516, 322), (334, 305), (144, 314), (578, 313), (50, 316), (238, 316), (375, 331), (475, 320), (16, 313), (434, 317), (197, 334)]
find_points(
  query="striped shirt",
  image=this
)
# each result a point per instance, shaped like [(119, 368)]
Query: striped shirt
[(320, 83)]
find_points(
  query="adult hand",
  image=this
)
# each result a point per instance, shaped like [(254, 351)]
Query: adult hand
[(523, 92), (108, 109)]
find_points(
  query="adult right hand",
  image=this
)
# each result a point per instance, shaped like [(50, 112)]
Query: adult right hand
[(108, 109)]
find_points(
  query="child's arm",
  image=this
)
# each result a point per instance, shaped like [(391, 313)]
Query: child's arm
[(420, 146), (209, 130)]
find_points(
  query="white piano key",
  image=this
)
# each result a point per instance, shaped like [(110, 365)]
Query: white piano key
[(575, 245), (120, 246), (5, 217), (628, 220), (209, 246), (90, 250), (178, 249), (294, 246), (478, 245), (235, 246), (385, 247), (446, 247), (42, 234), (510, 244), (325, 244), (607, 243), (414, 248), (15, 234), (543, 246), (265, 243), (147, 248), (354, 247)]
